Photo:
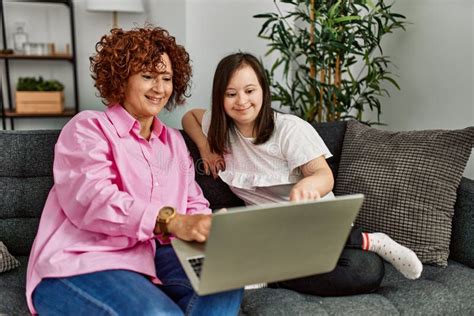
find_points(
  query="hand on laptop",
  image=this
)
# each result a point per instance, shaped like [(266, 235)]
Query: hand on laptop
[(190, 227), (317, 181), (304, 191)]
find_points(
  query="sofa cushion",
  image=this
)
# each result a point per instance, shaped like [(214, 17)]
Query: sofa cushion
[(12, 290), (438, 292), (27, 153), (18, 234), (7, 261), (21, 205), (409, 180), (26, 162), (332, 134), (462, 238)]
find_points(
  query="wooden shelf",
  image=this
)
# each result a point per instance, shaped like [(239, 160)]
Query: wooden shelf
[(36, 57), (65, 113), (10, 60)]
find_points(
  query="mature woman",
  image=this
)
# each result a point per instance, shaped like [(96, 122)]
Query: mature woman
[(123, 183)]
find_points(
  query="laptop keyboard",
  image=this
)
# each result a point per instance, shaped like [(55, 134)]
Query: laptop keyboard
[(196, 263)]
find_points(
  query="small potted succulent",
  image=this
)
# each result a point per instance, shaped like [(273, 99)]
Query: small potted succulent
[(39, 96)]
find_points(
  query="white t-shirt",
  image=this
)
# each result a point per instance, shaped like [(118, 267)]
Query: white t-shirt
[(266, 173)]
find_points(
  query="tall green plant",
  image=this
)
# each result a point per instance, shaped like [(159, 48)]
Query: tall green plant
[(330, 55)]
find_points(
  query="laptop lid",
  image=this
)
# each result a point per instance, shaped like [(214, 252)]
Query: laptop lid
[(271, 242)]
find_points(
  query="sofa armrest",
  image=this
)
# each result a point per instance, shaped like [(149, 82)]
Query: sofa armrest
[(462, 237)]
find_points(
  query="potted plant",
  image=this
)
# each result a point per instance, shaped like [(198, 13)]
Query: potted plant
[(330, 55), (38, 96)]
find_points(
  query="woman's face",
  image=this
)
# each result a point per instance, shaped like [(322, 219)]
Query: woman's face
[(243, 99), (146, 93)]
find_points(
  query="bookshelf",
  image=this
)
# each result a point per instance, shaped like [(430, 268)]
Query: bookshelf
[(8, 112)]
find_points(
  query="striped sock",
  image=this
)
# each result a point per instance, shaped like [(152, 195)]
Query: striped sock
[(256, 286)]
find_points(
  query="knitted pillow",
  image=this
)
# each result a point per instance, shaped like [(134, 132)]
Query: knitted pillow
[(7, 261), (409, 180)]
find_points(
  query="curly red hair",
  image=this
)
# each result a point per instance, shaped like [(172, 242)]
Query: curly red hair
[(122, 54)]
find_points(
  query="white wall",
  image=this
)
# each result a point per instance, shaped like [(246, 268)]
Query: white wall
[(50, 23), (41, 24), (435, 56), (214, 29), (435, 65)]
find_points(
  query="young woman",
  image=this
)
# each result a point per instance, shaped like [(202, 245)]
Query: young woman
[(266, 156), (102, 245)]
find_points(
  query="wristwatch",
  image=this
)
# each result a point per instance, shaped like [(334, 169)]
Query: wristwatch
[(165, 215)]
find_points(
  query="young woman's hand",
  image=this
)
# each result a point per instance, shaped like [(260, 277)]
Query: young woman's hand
[(304, 190), (317, 182), (192, 125), (212, 162), (191, 227)]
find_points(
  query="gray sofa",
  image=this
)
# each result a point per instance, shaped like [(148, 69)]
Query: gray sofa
[(25, 179)]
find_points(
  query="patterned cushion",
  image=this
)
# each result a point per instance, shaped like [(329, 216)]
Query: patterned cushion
[(409, 180), (7, 261)]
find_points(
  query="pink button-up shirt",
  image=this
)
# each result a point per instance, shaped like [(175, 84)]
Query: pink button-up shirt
[(109, 184)]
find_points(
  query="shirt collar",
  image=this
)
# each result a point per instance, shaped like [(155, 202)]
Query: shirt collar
[(124, 122), (159, 129)]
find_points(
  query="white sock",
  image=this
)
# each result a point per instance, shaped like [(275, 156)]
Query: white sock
[(402, 258), (256, 286)]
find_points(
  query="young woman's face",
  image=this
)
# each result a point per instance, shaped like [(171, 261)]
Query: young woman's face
[(243, 99), (147, 93)]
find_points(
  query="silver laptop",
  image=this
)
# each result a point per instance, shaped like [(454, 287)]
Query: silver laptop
[(268, 243)]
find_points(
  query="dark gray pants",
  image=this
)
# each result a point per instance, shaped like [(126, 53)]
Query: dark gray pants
[(356, 272)]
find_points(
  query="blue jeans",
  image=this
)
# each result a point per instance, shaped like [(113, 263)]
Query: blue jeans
[(124, 292)]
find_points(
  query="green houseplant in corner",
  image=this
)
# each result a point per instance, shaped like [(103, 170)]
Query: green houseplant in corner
[(38, 96), (330, 55)]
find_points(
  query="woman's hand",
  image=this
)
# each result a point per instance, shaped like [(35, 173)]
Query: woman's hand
[(191, 227), (212, 162), (192, 125), (317, 182), (304, 190)]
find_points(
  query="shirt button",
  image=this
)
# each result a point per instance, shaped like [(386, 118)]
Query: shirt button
[(156, 184)]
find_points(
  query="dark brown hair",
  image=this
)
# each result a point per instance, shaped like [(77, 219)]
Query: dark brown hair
[(122, 54), (222, 124)]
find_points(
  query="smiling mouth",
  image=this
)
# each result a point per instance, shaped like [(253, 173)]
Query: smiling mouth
[(152, 99), (243, 110)]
